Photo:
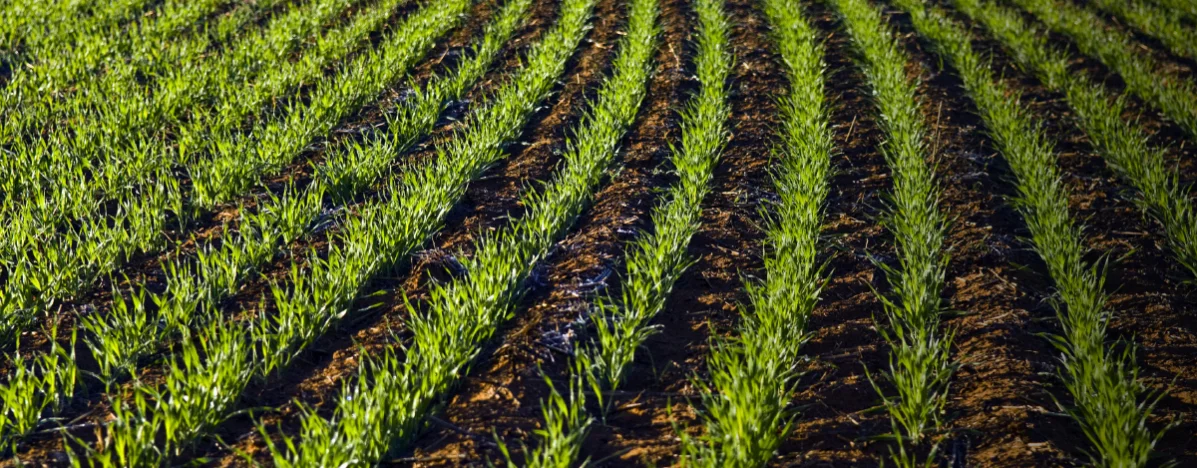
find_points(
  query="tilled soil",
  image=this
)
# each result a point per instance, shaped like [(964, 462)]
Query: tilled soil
[(1005, 399), (504, 391), (485, 207), (316, 379)]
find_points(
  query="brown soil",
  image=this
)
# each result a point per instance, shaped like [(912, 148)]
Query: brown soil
[(90, 405), (334, 359), (1001, 410), (503, 393)]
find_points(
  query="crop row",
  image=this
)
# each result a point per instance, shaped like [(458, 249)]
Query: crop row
[(746, 403), (136, 227), (130, 331), (388, 405), (655, 260), (1181, 7), (1162, 23), (74, 70), (1173, 95), (1107, 400), (31, 28), (920, 365), (1123, 143)]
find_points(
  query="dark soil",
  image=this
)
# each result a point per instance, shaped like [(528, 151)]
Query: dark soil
[(1002, 408), (504, 392), (335, 358), (90, 405)]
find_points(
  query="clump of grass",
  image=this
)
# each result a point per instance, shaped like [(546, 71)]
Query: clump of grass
[(37, 386)]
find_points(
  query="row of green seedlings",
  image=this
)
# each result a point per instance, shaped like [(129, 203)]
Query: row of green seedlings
[(384, 408), (1124, 144), (109, 242), (920, 365), (198, 394), (746, 408), (1145, 76), (47, 92), (40, 384), (120, 138), (43, 264), (40, 212), (1110, 403), (1186, 8), (135, 329), (30, 28), (1157, 22), (655, 260), (56, 73)]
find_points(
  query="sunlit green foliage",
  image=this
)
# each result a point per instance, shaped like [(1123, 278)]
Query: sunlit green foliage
[(1109, 402), (1173, 95), (746, 406), (37, 386), (920, 365)]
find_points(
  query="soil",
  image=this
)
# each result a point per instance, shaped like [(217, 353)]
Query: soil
[(1006, 398), (91, 405), (503, 395), (484, 208)]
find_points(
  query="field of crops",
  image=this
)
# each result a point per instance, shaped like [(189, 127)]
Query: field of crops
[(556, 233)]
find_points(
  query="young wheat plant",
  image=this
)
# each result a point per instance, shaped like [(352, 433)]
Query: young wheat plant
[(1109, 402), (920, 364), (1173, 95), (746, 407)]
